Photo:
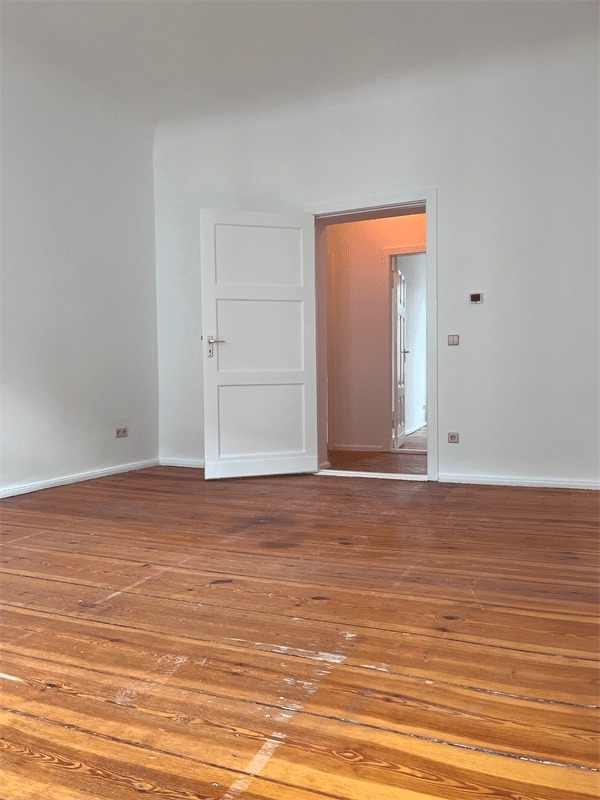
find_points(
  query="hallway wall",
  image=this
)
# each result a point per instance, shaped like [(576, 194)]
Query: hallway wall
[(359, 327)]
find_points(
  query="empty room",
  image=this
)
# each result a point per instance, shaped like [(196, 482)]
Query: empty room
[(196, 602)]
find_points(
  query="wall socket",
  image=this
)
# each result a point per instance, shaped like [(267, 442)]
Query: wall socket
[(121, 433), (453, 438)]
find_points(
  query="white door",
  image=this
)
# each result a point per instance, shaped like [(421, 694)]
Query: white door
[(258, 311), (399, 359)]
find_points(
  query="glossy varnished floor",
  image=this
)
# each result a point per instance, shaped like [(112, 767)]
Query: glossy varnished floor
[(411, 459), (397, 463), (298, 638), (416, 441)]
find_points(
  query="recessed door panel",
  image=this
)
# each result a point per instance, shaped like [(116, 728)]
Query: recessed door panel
[(251, 334), (258, 255), (261, 420)]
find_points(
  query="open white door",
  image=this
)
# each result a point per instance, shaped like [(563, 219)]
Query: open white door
[(399, 358), (258, 310)]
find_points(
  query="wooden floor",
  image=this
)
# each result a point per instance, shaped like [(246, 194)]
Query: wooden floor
[(416, 441), (411, 459), (396, 463), (298, 638)]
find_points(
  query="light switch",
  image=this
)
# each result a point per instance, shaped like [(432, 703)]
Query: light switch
[(453, 338)]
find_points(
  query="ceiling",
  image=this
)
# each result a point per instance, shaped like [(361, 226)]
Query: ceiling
[(173, 58)]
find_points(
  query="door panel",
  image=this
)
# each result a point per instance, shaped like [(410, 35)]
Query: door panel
[(258, 255), (250, 325), (399, 358), (258, 304), (261, 420)]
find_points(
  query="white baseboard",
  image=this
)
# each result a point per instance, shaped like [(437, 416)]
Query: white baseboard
[(511, 480), (193, 463), (495, 480), (24, 488)]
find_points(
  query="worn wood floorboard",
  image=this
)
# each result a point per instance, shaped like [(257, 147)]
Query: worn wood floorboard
[(411, 459), (396, 463), (298, 638), (416, 440)]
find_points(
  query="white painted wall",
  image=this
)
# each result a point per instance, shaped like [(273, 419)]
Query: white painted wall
[(511, 144), (79, 318), (414, 267)]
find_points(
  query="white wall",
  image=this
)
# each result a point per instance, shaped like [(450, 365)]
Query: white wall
[(511, 145), (79, 318)]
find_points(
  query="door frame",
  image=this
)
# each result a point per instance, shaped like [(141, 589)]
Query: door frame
[(407, 202)]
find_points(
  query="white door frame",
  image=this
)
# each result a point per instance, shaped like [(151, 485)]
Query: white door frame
[(381, 206)]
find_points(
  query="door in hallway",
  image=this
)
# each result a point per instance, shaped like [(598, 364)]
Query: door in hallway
[(399, 360)]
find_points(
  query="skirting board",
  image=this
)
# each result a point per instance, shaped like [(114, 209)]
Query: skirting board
[(500, 480), (193, 463), (24, 488)]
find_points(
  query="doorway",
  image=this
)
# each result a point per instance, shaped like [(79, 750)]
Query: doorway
[(359, 254), (409, 351)]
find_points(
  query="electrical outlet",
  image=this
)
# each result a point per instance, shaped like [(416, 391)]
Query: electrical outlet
[(453, 438), (121, 433)]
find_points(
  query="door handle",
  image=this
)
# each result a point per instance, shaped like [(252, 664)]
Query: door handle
[(404, 352), (211, 341)]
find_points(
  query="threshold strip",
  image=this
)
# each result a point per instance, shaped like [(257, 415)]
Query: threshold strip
[(390, 476)]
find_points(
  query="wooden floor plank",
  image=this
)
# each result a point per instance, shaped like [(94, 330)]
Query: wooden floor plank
[(470, 617), (297, 638), (241, 603), (409, 704), (103, 767), (397, 463), (373, 764)]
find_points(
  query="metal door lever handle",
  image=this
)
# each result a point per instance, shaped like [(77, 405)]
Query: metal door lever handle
[(210, 341)]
